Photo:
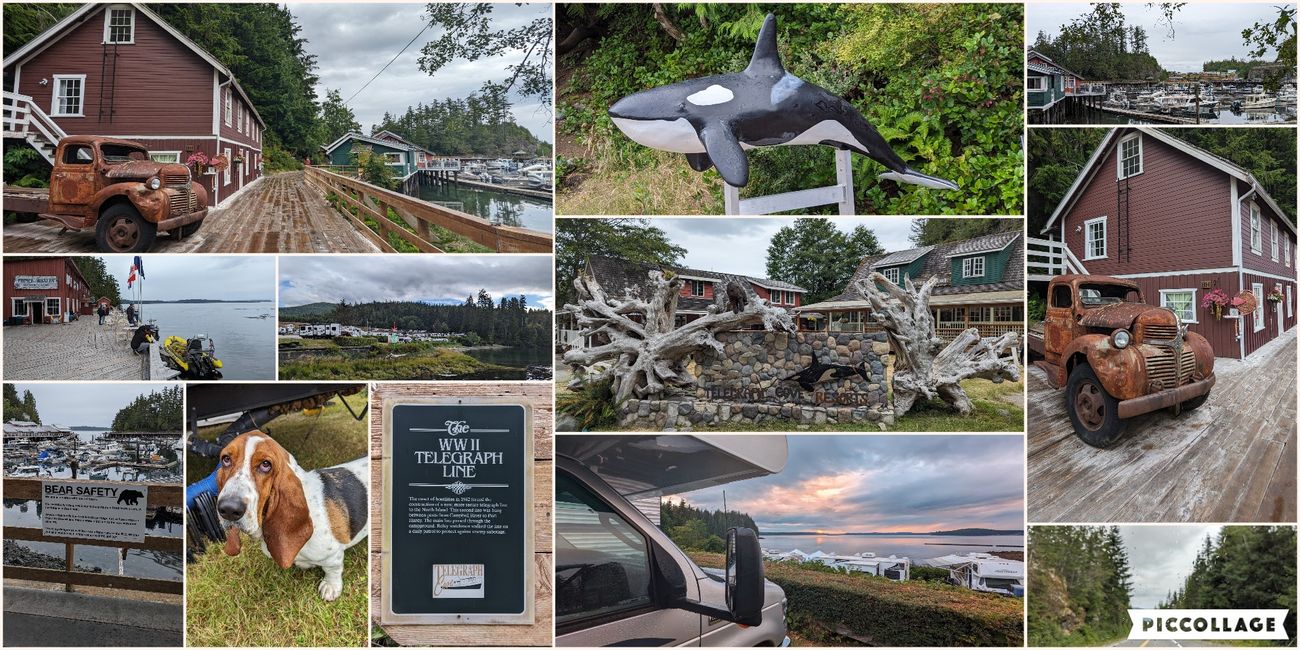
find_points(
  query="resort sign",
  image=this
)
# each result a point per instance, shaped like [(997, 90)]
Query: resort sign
[(36, 282), (458, 513), (104, 511)]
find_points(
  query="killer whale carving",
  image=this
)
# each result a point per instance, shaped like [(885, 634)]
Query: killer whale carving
[(818, 372), (713, 120)]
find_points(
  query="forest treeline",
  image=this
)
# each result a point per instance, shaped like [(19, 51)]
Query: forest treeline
[(1079, 585), (158, 411), (478, 124), (507, 321), (22, 408), (1244, 567), (700, 529), (1099, 47)]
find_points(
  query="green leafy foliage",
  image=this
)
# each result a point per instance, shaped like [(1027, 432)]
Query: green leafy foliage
[(1098, 45), (928, 232), (942, 83), (1056, 158), (634, 240), (102, 284), (701, 521), (158, 411), (470, 34), (929, 574), (277, 159), (1079, 585), (817, 256), (19, 408), (336, 119), (591, 404), (479, 124)]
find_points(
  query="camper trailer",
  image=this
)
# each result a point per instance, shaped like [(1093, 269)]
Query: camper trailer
[(620, 580), (983, 572)]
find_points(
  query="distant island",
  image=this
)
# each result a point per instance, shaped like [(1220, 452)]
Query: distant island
[(86, 427), (960, 532)]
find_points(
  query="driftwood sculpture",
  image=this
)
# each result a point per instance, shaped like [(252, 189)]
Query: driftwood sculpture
[(643, 356), (925, 368)]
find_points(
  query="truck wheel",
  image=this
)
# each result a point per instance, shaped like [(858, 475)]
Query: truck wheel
[(121, 229), (1195, 402), (1093, 412)]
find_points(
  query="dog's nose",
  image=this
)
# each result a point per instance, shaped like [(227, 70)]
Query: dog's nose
[(231, 509)]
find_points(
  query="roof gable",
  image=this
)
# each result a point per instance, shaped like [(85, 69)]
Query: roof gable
[(939, 263)]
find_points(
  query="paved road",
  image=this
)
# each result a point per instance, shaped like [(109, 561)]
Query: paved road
[(35, 617), (1159, 643), (278, 214)]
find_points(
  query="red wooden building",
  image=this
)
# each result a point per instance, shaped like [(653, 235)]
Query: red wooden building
[(1181, 222), (43, 290), (120, 70)]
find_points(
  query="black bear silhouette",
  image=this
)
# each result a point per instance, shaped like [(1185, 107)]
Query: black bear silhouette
[(130, 497)]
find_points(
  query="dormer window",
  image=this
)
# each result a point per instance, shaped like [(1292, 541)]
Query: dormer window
[(119, 25), (972, 267), (1130, 156), (891, 274)]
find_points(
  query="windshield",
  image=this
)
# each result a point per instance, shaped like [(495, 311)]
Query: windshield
[(1096, 295), (120, 153)]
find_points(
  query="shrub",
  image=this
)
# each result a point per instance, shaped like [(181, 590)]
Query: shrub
[(276, 159), (591, 404)]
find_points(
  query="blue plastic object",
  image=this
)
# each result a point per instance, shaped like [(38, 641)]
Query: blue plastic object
[(208, 485)]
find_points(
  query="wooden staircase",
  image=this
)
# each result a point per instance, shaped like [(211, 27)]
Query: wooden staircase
[(24, 120), (1046, 259)]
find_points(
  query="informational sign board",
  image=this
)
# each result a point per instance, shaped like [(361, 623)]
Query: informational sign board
[(104, 511), (458, 513), (36, 282)]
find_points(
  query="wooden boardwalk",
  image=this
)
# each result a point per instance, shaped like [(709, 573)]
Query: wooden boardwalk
[(1233, 459), (81, 349), (280, 214)]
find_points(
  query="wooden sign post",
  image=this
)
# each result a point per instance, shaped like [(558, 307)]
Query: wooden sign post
[(458, 513)]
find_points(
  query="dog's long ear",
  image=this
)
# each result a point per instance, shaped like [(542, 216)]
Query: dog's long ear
[(286, 526)]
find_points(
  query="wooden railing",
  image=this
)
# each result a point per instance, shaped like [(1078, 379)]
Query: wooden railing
[(24, 119), (29, 489), (1046, 259), (949, 331), (420, 216)]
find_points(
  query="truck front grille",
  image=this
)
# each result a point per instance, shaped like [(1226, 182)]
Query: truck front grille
[(1159, 332), (182, 202), (176, 180), (1161, 368)]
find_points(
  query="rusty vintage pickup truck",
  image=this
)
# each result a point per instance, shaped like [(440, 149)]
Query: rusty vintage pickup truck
[(1116, 356), (112, 187)]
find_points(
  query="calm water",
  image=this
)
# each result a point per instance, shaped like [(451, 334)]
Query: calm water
[(510, 209), (916, 547), (245, 344), (512, 357)]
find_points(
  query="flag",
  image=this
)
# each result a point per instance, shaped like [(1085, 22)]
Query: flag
[(139, 266), (130, 279)]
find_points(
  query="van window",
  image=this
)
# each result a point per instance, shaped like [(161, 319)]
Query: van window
[(602, 562), (1061, 296)]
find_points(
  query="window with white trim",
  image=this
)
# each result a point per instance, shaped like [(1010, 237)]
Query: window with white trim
[(1181, 301), (229, 163), (1036, 84), (1257, 317), (53, 306), (165, 156), (1274, 242), (1289, 299), (1286, 250), (229, 107), (1130, 156), (1094, 239), (119, 25), (393, 157), (972, 267), (18, 306), (1256, 230), (69, 95), (892, 274), (696, 287)]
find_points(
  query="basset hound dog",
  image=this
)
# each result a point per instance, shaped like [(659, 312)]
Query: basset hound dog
[(305, 518)]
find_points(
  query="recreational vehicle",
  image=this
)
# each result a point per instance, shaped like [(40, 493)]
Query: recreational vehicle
[(983, 572)]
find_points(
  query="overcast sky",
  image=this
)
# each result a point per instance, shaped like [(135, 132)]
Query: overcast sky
[(740, 245), (415, 278), (1161, 557), (90, 405), (1201, 31), (882, 483), (353, 40), (215, 277)]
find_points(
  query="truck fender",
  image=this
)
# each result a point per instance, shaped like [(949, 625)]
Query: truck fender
[(152, 205), (1122, 372), (1204, 354)]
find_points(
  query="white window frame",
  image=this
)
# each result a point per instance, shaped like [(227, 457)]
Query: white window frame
[(388, 158), (229, 164), (229, 109), (1286, 250), (1087, 242), (56, 92), (893, 274), (1273, 231), (1257, 316), (1289, 302), (1256, 230), (1119, 156), (108, 19), (239, 119), (58, 306), (968, 267), (1191, 306), (154, 155), (1036, 87), (15, 302), (694, 284)]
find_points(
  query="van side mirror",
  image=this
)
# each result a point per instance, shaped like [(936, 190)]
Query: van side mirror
[(744, 577)]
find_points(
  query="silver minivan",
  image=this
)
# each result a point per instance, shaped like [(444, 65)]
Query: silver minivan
[(619, 580)]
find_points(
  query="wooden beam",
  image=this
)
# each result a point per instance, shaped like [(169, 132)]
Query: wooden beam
[(93, 579), (30, 489), (167, 544)]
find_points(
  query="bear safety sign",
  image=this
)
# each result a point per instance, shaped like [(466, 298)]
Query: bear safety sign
[(113, 512)]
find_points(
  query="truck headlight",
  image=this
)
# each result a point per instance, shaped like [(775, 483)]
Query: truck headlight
[(154, 183), (1121, 338)]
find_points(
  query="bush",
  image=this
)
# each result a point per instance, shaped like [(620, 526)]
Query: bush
[(276, 159), (1037, 308), (898, 614), (591, 404), (929, 574)]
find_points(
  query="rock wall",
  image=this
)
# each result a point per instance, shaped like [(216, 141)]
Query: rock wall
[(748, 384)]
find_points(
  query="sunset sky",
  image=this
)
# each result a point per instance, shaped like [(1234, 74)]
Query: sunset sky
[(884, 484)]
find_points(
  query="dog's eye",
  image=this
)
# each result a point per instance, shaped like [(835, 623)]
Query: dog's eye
[(225, 460), (264, 466)]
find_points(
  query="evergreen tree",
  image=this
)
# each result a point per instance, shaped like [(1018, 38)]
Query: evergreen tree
[(816, 255), (634, 240)]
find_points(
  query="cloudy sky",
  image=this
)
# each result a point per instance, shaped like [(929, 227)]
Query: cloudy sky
[(416, 278), (90, 405), (740, 245), (1201, 31), (215, 277), (353, 40), (885, 483), (1161, 557)]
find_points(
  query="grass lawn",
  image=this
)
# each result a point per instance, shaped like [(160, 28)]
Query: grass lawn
[(669, 186), (249, 601), (432, 363)]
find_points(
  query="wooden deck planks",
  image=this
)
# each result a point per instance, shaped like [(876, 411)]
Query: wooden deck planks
[(82, 349), (1233, 459)]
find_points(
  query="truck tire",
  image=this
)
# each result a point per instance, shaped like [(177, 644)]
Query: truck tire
[(122, 229), (1093, 412)]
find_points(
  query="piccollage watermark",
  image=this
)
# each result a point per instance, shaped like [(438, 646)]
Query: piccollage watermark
[(1208, 624)]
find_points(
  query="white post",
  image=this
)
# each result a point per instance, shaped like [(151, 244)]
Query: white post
[(840, 194), (844, 178), (730, 198)]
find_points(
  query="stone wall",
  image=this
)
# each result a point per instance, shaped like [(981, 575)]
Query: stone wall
[(747, 383)]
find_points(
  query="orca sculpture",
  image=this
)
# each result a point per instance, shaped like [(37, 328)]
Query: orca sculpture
[(818, 372), (713, 120)]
